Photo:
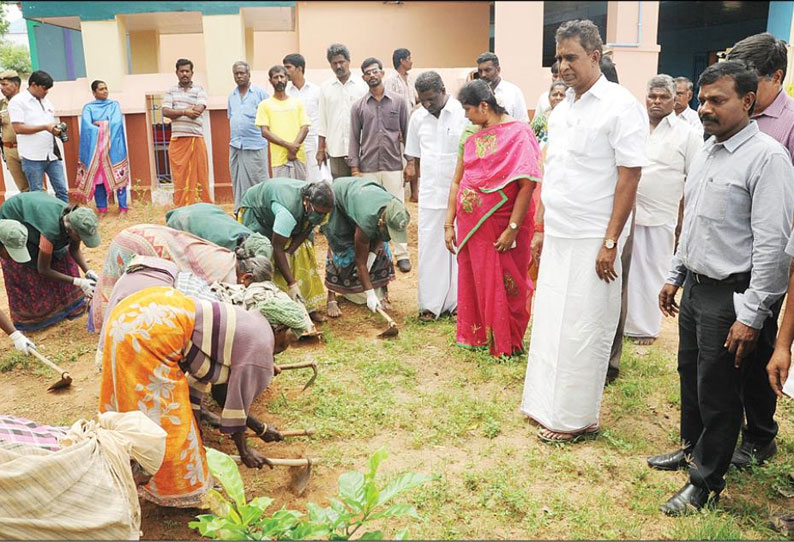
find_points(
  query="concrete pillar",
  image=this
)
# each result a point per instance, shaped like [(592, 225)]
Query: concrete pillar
[(632, 36), (224, 44), (249, 46), (518, 42), (105, 50), (145, 51)]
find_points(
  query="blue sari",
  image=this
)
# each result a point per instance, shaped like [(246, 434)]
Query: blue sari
[(103, 153)]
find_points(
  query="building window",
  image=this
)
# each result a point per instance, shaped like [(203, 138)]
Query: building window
[(556, 13)]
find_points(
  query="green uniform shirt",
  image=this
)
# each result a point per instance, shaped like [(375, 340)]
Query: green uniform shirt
[(41, 215), (357, 203)]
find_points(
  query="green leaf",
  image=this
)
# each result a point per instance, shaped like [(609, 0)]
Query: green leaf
[(397, 510), (403, 483), (261, 502), (402, 535), (310, 531), (371, 494), (225, 470), (318, 514), (351, 490), (249, 514), (217, 503), (372, 535), (375, 461)]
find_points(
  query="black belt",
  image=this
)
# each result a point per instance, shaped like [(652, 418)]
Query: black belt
[(735, 278)]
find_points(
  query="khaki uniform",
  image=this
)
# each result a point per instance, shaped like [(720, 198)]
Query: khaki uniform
[(10, 151)]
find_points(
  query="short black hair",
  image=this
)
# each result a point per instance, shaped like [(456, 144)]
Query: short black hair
[(337, 49), (398, 56), (745, 79), (429, 80), (184, 62), (296, 59), (585, 30), (488, 57), (608, 68), (95, 85), (278, 68), (40, 78), (762, 52), (370, 61)]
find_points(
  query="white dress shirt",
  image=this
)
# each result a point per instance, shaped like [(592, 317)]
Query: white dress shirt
[(692, 117), (27, 109), (513, 100), (588, 139), (435, 141), (336, 100), (670, 149), (309, 94), (543, 104)]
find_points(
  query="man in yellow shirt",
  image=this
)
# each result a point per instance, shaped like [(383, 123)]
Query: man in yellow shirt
[(285, 123)]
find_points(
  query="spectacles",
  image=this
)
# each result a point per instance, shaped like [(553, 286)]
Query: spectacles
[(372, 71)]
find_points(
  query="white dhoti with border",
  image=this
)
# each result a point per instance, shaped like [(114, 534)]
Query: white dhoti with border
[(576, 315), (650, 263), (438, 268)]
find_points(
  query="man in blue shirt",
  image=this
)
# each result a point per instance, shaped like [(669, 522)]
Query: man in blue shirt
[(247, 148)]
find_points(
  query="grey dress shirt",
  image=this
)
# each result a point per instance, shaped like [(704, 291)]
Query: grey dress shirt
[(739, 203), (377, 130)]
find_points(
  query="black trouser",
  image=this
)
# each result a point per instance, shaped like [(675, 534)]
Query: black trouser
[(339, 167), (625, 261), (711, 387)]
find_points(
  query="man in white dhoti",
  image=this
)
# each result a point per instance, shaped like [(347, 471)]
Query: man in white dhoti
[(431, 145), (595, 155), (670, 149)]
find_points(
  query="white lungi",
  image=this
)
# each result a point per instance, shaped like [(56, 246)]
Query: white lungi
[(576, 315), (438, 268), (650, 263), (392, 181), (312, 169)]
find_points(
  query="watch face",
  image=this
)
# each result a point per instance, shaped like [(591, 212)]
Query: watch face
[(609, 244)]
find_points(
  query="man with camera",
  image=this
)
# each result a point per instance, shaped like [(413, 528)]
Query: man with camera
[(33, 118)]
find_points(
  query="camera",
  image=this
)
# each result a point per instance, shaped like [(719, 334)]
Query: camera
[(63, 131)]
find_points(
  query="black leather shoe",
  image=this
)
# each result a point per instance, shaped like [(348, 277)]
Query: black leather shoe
[(751, 454), (404, 265), (672, 461), (689, 498)]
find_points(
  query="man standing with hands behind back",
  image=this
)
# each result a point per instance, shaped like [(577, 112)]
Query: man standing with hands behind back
[(9, 85), (187, 154)]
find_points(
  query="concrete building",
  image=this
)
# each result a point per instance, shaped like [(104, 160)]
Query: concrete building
[(133, 46)]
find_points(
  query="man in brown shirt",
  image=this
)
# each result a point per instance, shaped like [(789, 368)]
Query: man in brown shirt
[(378, 126), (9, 85)]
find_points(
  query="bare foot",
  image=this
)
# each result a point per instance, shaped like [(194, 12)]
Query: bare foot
[(316, 317), (332, 309), (643, 341)]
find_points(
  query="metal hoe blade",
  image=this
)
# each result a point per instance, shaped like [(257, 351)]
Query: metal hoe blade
[(302, 365), (392, 330)]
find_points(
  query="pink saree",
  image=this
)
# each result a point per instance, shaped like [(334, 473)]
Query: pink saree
[(493, 287)]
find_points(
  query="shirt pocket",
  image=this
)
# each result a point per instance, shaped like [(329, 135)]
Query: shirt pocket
[(391, 120), (714, 200)]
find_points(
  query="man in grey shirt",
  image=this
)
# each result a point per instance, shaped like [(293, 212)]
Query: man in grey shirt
[(739, 202), (378, 127)]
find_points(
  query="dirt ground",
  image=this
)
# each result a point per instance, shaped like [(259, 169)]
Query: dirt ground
[(436, 408)]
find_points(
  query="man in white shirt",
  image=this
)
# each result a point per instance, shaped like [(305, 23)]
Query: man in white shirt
[(670, 148), (595, 157), (507, 93), (337, 97), (433, 139), (683, 95), (400, 82), (309, 94), (543, 104), (33, 118)]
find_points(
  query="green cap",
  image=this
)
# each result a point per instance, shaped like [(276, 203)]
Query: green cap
[(84, 222), (259, 245), (14, 237), (397, 219)]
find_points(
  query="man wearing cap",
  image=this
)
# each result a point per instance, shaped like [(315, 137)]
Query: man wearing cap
[(9, 86), (48, 288), (13, 238), (364, 219)]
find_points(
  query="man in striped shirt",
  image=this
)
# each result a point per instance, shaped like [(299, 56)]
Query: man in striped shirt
[(187, 154)]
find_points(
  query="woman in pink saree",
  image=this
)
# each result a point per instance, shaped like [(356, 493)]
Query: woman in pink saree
[(490, 201)]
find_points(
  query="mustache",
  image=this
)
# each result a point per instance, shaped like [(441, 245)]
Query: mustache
[(709, 118)]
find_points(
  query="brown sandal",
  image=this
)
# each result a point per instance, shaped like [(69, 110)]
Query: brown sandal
[(547, 435)]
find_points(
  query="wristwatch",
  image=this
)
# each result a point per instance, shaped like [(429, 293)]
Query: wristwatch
[(610, 243), (513, 226)]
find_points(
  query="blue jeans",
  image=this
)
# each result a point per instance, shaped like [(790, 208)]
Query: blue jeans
[(101, 197), (35, 170)]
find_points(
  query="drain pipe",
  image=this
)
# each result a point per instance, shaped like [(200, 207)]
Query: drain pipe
[(639, 30)]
